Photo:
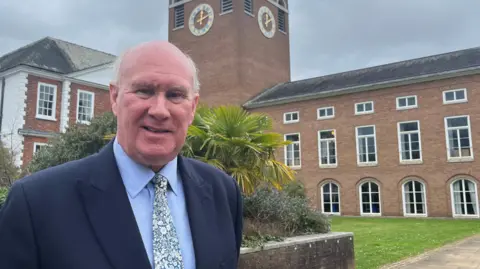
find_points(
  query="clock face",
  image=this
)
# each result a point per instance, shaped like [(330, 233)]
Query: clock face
[(201, 19), (266, 22)]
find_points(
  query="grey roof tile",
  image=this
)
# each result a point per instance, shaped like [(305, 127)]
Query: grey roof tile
[(430, 65), (56, 56)]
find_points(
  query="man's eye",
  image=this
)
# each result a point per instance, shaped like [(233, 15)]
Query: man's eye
[(144, 92), (176, 95)]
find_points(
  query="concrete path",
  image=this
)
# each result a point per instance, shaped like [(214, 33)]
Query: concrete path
[(464, 254)]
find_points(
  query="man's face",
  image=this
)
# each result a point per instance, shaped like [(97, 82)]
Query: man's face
[(154, 104)]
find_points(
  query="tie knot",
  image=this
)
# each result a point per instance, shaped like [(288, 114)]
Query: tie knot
[(160, 180)]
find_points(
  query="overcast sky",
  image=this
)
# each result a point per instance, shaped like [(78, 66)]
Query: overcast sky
[(327, 36)]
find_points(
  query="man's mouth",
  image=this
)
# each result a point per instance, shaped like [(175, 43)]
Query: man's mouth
[(155, 130)]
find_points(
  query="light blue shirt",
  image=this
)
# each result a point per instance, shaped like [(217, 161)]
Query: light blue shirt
[(137, 180)]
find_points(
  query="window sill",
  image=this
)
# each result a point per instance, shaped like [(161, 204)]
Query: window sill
[(460, 160), (45, 118), (327, 166), (367, 164), (411, 162)]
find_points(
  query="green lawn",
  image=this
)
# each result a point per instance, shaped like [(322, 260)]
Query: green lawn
[(380, 241)]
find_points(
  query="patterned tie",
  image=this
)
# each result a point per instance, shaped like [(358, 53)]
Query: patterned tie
[(166, 248)]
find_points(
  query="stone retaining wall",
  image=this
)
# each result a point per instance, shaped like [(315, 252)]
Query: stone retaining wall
[(326, 251)]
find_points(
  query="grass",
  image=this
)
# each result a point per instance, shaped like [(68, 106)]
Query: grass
[(380, 241)]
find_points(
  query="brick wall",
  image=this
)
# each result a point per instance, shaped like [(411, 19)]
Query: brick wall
[(31, 122), (326, 251), (234, 59), (434, 170)]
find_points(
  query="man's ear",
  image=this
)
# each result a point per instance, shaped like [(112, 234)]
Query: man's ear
[(113, 97)]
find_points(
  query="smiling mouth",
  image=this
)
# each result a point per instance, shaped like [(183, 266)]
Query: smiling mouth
[(158, 131)]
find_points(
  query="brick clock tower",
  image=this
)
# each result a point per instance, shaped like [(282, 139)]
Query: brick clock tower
[(240, 47)]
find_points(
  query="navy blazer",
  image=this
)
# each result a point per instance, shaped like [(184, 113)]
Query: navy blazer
[(77, 216)]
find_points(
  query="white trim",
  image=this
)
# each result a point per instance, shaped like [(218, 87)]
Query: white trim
[(370, 192), (299, 151), (339, 213), (364, 112), (77, 107), (458, 159), (181, 2), (90, 70), (399, 137), (367, 163), (50, 75), (319, 140), (445, 102), (54, 105), (35, 144), (452, 201), (413, 179), (406, 102), (275, 3), (326, 109), (291, 121)]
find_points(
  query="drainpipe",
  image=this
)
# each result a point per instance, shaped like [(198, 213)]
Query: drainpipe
[(1, 103)]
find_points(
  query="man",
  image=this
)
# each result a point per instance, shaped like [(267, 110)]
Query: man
[(137, 204)]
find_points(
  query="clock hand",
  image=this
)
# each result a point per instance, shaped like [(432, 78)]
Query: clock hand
[(200, 20)]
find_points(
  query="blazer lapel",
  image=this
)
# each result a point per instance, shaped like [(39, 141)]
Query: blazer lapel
[(199, 201), (110, 213)]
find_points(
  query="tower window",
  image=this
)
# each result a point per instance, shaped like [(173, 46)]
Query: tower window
[(179, 16), (248, 5), (226, 5), (281, 20)]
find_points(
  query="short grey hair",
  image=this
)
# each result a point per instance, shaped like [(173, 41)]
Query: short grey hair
[(191, 63)]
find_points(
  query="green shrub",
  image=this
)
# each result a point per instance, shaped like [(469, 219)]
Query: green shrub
[(269, 212), (3, 196), (77, 142)]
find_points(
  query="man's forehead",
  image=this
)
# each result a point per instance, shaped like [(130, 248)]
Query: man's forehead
[(160, 56)]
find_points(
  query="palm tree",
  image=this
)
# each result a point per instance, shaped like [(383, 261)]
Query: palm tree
[(239, 143)]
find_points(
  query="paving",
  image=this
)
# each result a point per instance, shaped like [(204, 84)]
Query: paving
[(464, 254)]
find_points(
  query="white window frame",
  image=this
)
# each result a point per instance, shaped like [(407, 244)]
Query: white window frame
[(456, 101), (424, 194), (285, 121), (458, 159), (368, 163), (452, 198), (299, 150), (364, 112), (35, 144), (406, 102), (326, 109), (54, 105), (322, 201), (370, 194), (399, 136), (78, 105), (334, 139)]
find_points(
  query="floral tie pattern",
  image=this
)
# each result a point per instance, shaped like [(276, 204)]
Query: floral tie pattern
[(166, 247)]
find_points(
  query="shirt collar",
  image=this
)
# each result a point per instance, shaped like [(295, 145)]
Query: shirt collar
[(136, 176)]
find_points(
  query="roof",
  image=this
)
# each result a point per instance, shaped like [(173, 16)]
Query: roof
[(351, 81), (56, 56)]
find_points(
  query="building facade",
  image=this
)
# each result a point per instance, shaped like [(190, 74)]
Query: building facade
[(47, 86), (394, 140)]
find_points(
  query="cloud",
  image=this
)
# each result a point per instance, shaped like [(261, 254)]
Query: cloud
[(326, 36)]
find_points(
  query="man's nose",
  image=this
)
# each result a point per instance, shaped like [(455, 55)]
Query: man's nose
[(159, 106)]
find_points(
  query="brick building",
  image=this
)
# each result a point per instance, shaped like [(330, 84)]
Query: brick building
[(45, 87), (393, 140)]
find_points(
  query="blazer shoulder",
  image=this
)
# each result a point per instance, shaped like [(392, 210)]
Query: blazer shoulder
[(58, 176)]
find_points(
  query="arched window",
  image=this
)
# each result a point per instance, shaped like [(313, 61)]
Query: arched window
[(330, 198), (414, 198), (464, 198), (370, 198)]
